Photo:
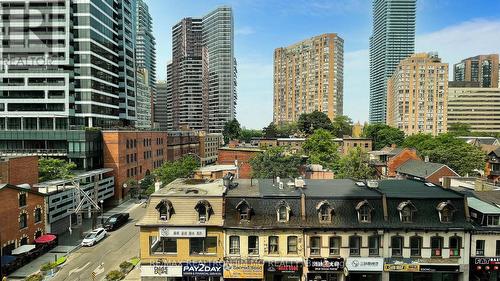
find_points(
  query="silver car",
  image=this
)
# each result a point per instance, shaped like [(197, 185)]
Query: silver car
[(94, 237)]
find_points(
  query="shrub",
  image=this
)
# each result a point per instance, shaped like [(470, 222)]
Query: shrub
[(46, 267), (114, 275), (34, 277), (125, 265), (135, 260)]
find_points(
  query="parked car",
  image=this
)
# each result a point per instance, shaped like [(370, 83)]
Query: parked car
[(115, 221), (94, 237)]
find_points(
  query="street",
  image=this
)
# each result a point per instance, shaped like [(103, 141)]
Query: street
[(120, 245)]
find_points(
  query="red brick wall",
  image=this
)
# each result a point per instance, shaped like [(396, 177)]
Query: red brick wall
[(116, 151), (228, 156), (10, 212), (399, 159), (443, 172), (19, 170)]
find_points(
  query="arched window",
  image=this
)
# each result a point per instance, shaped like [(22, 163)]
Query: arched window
[(204, 210), (406, 211), (364, 210), (325, 211), (165, 209), (283, 212), (244, 209), (446, 211)]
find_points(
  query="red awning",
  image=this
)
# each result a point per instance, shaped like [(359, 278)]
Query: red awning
[(47, 238)]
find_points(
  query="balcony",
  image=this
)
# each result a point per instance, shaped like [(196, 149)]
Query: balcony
[(33, 152)]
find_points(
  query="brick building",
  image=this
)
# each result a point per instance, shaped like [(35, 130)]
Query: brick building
[(22, 215), (492, 171), (180, 143), (428, 171), (387, 160), (10, 170), (133, 155), (239, 156), (208, 147), (349, 143)]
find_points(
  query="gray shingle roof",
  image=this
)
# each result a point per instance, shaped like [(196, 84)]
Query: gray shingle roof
[(419, 168), (410, 189)]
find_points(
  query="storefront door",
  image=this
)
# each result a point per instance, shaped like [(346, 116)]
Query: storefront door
[(359, 276)]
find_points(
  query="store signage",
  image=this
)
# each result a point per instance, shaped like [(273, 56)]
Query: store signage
[(405, 265), (486, 264), (181, 232), (244, 269), (284, 267), (420, 265), (161, 271), (365, 264), (202, 269), (439, 268), (329, 264)]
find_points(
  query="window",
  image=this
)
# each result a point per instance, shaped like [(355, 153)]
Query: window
[(436, 246), (354, 245), (244, 210), (415, 246), (253, 245), (446, 210), (397, 246), (204, 210), (273, 245), (364, 211), (497, 248), (334, 246), (164, 209), (493, 221), (162, 245), (315, 245), (406, 210), (234, 245), (22, 199), (292, 245), (373, 245), (203, 246), (23, 221), (455, 245), (324, 211), (38, 215), (480, 248), (283, 213)]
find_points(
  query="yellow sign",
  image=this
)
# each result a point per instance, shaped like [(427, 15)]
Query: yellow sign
[(402, 267), (244, 270)]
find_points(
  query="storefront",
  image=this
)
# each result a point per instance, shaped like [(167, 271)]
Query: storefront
[(485, 269), (407, 269), (364, 269), (202, 271), (283, 270), (161, 271), (327, 269), (247, 270)]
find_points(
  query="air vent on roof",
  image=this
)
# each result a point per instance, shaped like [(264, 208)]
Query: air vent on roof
[(360, 183), (300, 183), (372, 183), (429, 184)]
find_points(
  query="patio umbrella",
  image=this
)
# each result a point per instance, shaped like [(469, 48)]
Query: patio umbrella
[(23, 249), (47, 238)]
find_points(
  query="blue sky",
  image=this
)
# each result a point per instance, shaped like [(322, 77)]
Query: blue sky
[(455, 28)]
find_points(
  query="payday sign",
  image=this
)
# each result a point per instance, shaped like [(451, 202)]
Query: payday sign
[(202, 269)]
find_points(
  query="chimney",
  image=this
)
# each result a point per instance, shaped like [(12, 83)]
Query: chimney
[(303, 206)]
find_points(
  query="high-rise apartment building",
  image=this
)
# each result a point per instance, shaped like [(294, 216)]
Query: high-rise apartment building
[(482, 69), (309, 76), (144, 102), (160, 106), (201, 79), (392, 40), (417, 95), (478, 107), (65, 65), (145, 50)]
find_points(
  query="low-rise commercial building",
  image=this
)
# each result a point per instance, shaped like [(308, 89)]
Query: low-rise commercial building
[(425, 171), (239, 156), (388, 159), (209, 147), (181, 143), (493, 166)]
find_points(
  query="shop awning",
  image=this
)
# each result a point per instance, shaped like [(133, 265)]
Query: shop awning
[(7, 259), (47, 238), (23, 249)]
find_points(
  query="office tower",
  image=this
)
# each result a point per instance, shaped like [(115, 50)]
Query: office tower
[(309, 76), (482, 69), (201, 79), (145, 51), (417, 95), (392, 40), (160, 107), (144, 103), (468, 103)]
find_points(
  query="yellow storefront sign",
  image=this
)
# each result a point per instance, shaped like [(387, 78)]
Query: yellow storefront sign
[(243, 270), (402, 267)]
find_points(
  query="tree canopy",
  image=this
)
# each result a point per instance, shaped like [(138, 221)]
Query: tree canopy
[(271, 131), (247, 134), (355, 165), (342, 126), (383, 135), (275, 162), (180, 168), (321, 149), (460, 156), (309, 122), (232, 130), (52, 169)]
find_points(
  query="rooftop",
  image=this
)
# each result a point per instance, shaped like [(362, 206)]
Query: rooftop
[(419, 168), (250, 149), (482, 206), (394, 188), (192, 188), (216, 168), (47, 185)]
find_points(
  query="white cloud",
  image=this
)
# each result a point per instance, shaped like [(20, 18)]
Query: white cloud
[(245, 30)]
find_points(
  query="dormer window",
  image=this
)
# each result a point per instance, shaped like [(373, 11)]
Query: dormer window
[(325, 211), (364, 211), (245, 210), (446, 210), (283, 212), (165, 210), (204, 210), (406, 211)]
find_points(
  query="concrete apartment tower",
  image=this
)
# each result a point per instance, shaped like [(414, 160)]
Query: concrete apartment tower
[(201, 79), (392, 40), (58, 72), (482, 69), (309, 76), (417, 95)]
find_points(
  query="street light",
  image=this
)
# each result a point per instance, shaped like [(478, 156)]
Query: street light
[(102, 218)]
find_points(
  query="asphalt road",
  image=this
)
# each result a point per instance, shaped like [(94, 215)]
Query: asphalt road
[(120, 245)]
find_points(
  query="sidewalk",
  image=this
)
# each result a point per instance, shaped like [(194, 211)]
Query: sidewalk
[(70, 242), (134, 275)]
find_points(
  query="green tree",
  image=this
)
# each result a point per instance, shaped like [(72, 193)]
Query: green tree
[(181, 168), (286, 130), (271, 131), (321, 149), (275, 162), (459, 129), (355, 165), (460, 156), (383, 135), (52, 169), (309, 122), (248, 134), (342, 126), (232, 130)]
